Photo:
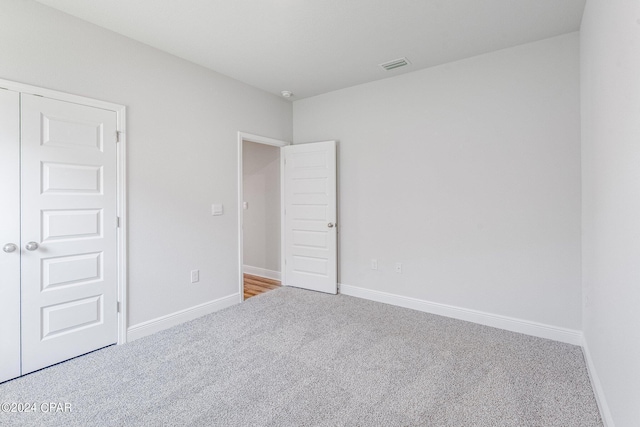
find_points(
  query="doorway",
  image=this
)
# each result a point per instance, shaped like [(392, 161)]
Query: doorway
[(259, 214), (308, 212)]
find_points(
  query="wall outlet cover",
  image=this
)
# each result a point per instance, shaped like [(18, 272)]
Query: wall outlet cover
[(217, 209)]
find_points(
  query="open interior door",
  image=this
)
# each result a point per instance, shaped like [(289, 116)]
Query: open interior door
[(310, 211)]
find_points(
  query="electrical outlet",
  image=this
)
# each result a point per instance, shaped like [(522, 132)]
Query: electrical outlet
[(217, 209), (374, 264), (399, 267), (195, 276)]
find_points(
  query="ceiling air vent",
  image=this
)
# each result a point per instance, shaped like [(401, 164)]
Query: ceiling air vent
[(396, 63)]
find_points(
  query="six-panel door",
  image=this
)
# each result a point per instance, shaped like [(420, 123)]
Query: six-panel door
[(69, 269)]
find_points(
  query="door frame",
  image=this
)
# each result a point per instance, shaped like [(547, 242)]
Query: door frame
[(243, 136), (121, 185)]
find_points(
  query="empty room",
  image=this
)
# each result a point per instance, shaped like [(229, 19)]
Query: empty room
[(320, 213)]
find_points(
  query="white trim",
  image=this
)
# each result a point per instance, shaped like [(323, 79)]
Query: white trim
[(262, 272), (283, 235), (605, 413), (164, 322), (262, 139), (569, 336), (121, 186), (122, 233), (243, 136), (61, 96)]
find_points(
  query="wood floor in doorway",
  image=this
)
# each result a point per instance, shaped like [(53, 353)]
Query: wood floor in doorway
[(256, 285)]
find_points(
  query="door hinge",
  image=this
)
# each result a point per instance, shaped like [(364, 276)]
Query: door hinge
[(118, 306), (118, 136), (117, 222)]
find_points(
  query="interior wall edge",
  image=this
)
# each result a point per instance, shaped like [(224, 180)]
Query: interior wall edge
[(173, 319), (540, 330), (598, 391)]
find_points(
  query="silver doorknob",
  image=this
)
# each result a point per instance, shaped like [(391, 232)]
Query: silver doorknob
[(31, 246), (9, 247), (330, 225)]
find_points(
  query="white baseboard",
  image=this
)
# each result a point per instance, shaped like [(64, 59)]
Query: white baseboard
[(262, 272), (605, 413), (535, 329), (156, 325)]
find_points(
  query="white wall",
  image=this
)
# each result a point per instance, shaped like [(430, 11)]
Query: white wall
[(468, 174), (610, 80), (261, 190), (182, 140)]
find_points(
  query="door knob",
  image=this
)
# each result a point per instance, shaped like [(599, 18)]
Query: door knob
[(330, 225), (9, 247), (31, 246)]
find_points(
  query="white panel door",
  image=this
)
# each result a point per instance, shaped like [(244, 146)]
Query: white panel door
[(9, 234), (310, 246), (69, 284)]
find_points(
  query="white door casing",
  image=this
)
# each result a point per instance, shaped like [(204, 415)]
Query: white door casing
[(69, 283), (9, 234), (310, 228)]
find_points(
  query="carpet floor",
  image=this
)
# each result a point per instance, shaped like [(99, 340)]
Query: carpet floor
[(291, 357)]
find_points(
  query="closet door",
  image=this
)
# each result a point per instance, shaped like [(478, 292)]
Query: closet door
[(9, 234), (69, 284)]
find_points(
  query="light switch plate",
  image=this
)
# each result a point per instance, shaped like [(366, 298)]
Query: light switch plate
[(217, 209), (195, 276)]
